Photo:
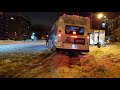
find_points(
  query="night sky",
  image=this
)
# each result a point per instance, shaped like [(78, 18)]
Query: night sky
[(48, 18)]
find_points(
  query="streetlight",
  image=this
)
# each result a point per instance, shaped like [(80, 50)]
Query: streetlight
[(99, 17)]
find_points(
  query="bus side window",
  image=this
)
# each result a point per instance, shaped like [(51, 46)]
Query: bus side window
[(55, 29)]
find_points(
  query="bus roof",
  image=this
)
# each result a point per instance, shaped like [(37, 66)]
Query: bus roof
[(73, 16), (74, 19)]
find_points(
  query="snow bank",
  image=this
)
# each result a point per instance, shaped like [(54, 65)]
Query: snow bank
[(21, 42)]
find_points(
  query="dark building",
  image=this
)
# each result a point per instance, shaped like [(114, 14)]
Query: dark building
[(14, 26), (98, 23), (112, 23), (114, 27)]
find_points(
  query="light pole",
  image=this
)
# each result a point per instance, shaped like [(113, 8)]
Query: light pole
[(99, 17)]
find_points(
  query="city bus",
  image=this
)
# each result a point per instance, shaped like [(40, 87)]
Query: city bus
[(70, 33)]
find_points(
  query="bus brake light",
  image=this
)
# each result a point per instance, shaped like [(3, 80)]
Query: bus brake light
[(74, 36), (59, 35), (88, 37)]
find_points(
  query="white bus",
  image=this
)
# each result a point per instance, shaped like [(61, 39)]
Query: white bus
[(70, 33)]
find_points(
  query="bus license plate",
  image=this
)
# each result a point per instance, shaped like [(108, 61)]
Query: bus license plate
[(79, 41)]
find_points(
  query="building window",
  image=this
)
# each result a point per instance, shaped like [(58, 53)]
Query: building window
[(103, 25), (11, 18)]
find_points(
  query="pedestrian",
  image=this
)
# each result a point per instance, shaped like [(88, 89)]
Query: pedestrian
[(98, 44), (47, 40)]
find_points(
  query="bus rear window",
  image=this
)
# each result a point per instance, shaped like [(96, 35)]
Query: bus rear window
[(70, 29)]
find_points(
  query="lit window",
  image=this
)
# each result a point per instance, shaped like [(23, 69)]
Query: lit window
[(12, 18), (105, 16), (103, 24)]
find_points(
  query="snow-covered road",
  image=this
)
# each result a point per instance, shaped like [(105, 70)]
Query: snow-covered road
[(34, 60), (21, 46), (20, 50)]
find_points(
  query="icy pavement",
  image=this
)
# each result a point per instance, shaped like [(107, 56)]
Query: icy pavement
[(19, 50), (21, 46)]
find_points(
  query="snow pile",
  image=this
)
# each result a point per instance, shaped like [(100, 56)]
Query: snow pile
[(25, 66), (101, 62)]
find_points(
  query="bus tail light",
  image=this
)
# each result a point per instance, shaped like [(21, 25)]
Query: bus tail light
[(88, 37), (59, 35)]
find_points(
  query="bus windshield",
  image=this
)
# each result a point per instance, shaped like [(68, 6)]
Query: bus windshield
[(70, 29)]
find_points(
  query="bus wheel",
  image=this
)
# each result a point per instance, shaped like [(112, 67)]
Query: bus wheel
[(73, 54), (53, 48)]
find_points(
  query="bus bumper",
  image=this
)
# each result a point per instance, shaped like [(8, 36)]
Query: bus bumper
[(71, 50)]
